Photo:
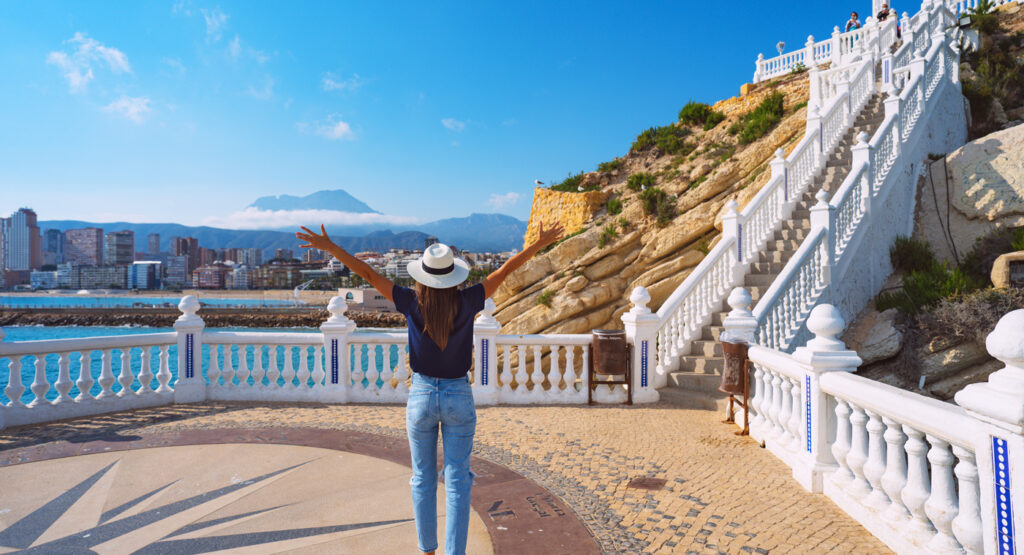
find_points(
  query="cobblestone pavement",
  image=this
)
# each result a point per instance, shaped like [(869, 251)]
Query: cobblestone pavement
[(722, 493)]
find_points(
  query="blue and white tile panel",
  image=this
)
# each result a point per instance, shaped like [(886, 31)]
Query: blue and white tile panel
[(1004, 505)]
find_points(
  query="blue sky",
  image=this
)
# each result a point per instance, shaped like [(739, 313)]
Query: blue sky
[(186, 111)]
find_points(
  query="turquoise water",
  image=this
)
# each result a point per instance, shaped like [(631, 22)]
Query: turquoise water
[(105, 301), (225, 353)]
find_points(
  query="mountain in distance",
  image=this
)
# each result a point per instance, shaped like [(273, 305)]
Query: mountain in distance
[(337, 199), (478, 232)]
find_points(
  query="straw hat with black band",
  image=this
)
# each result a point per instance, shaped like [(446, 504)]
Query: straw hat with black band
[(438, 267)]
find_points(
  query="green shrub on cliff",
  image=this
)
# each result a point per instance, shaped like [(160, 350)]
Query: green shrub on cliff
[(638, 181), (758, 122)]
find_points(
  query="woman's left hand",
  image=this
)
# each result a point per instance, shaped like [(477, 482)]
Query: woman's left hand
[(315, 241)]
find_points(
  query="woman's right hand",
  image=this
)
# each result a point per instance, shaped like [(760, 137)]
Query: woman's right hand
[(315, 241)]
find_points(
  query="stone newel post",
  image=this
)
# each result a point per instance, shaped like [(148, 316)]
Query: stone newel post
[(759, 69), (740, 324), (642, 332), (809, 52), (485, 356), (732, 226), (837, 54), (823, 217), (779, 170), (998, 404), (191, 385), (336, 331), (824, 353)]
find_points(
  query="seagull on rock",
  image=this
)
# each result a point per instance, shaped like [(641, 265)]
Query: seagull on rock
[(538, 182)]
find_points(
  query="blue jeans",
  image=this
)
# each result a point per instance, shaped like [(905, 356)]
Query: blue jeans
[(448, 403)]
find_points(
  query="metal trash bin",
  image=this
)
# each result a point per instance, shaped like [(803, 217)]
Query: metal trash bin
[(736, 381), (610, 355)]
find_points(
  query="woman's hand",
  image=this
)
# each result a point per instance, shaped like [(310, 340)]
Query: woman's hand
[(314, 241), (548, 236)]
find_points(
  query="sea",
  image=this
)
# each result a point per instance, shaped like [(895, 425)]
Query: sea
[(127, 301), (36, 333)]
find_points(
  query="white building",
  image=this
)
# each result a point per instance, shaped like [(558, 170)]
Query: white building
[(242, 277), (43, 280), (145, 275), (366, 298)]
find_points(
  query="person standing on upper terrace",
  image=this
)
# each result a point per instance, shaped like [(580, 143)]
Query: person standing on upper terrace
[(440, 321), (885, 13), (853, 23)]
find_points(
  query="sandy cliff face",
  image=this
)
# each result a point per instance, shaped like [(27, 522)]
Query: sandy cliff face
[(587, 286)]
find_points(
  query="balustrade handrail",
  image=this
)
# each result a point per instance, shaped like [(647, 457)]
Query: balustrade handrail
[(262, 338), (943, 420), (544, 339), (379, 338), (777, 361), (690, 283), (22, 348)]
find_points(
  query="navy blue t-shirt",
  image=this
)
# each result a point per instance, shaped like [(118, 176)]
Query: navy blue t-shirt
[(425, 356)]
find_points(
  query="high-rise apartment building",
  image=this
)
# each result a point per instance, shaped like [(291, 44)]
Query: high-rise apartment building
[(189, 248), (119, 248), (84, 246), (53, 246), (153, 243), (251, 257), (283, 254), (21, 244), (177, 272)]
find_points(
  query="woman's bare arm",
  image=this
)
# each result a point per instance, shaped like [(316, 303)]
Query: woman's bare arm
[(362, 269), (544, 238)]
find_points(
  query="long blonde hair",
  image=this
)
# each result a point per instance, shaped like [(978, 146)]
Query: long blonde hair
[(438, 308)]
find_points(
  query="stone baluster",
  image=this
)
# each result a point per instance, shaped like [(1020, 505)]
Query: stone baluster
[(386, 374), (303, 373), (918, 486), (858, 455), (258, 371), (85, 380), (585, 365), (485, 361), (641, 327), (895, 477), (40, 385), (402, 373), (506, 393), (967, 524), (941, 506), (124, 376), (14, 387), (785, 437), (145, 370), (570, 371), (337, 330), (288, 374), (213, 371), (318, 374), (190, 386), (357, 369), (757, 398), (998, 406), (874, 468), (106, 380), (164, 375), (775, 410), (230, 365), (274, 372), (63, 384), (796, 416), (521, 376), (537, 376), (555, 375)]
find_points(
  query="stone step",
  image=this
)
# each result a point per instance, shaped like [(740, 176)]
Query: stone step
[(838, 163), (758, 279), (782, 245), (694, 400), (766, 267), (796, 224), (719, 317), (712, 333), (791, 234), (710, 349), (698, 373), (775, 256)]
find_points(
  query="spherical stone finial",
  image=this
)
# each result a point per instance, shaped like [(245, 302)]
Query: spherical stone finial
[(640, 297), (1006, 342), (780, 154), (862, 137), (821, 196), (337, 306), (189, 305), (836, 31), (486, 316), (813, 113), (489, 308), (810, 40), (732, 207), (740, 299), (826, 324)]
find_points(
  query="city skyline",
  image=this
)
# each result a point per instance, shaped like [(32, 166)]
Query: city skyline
[(423, 112)]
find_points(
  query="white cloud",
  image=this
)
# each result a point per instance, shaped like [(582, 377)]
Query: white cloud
[(78, 65), (333, 128), (265, 92), (254, 218), (509, 122), (215, 21), (235, 48), (454, 124), (501, 201), (175, 64), (133, 108), (332, 82)]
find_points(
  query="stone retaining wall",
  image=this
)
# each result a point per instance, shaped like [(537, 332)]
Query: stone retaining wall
[(214, 317)]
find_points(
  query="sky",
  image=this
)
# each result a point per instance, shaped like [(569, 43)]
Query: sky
[(187, 111)]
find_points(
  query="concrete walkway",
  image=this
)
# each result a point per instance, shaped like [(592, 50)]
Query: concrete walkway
[(651, 479)]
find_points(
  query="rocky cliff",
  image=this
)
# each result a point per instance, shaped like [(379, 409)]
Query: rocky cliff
[(584, 282)]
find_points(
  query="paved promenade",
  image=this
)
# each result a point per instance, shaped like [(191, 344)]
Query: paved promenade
[(706, 490)]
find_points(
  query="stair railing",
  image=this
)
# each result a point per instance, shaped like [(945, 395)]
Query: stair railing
[(744, 234), (839, 227), (841, 48)]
